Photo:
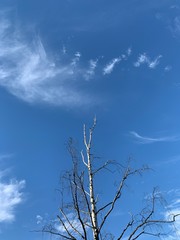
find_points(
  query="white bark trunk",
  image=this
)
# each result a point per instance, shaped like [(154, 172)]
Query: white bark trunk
[(92, 197), (91, 182)]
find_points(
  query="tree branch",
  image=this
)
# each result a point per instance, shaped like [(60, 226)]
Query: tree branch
[(83, 159), (51, 231), (127, 173), (65, 228), (70, 223), (77, 207), (130, 223), (103, 166), (147, 221)]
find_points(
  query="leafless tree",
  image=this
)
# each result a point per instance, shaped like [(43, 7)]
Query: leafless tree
[(82, 216)]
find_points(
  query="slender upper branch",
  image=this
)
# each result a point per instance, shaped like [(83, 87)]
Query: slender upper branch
[(130, 223), (127, 173)]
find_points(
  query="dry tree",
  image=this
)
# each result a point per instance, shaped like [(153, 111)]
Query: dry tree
[(81, 215)]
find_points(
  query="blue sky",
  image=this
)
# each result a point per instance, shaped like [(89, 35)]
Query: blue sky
[(61, 63)]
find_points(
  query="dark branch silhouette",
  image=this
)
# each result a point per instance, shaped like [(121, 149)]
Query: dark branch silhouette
[(83, 216)]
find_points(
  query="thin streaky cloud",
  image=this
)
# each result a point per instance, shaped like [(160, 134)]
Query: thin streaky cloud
[(174, 229), (127, 54), (168, 211), (89, 74), (175, 203), (29, 73), (110, 66), (172, 22), (129, 51), (75, 223), (145, 140), (175, 28), (174, 192), (64, 50), (153, 64), (172, 209), (141, 60), (76, 59), (145, 59), (5, 156), (171, 160), (33, 75), (174, 7), (11, 196)]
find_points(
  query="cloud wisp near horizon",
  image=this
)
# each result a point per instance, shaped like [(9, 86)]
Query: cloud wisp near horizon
[(147, 140)]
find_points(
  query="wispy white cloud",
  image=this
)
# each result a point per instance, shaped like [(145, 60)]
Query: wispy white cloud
[(11, 191), (10, 197), (146, 140), (129, 51), (145, 59), (141, 60), (127, 54), (168, 231), (153, 64), (171, 21), (173, 229), (167, 68), (173, 24), (31, 73), (76, 59), (64, 50), (73, 219), (28, 72), (39, 219), (3, 160), (110, 66), (176, 25), (172, 209), (90, 72), (108, 69), (174, 7), (170, 160), (5, 156), (71, 223)]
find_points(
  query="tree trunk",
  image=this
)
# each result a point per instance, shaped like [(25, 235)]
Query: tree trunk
[(92, 197)]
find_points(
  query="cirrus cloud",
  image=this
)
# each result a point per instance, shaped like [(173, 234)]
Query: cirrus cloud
[(29, 73), (145, 59), (110, 66), (10, 197), (145, 140)]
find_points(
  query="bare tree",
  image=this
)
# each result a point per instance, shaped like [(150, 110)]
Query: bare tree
[(83, 217)]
